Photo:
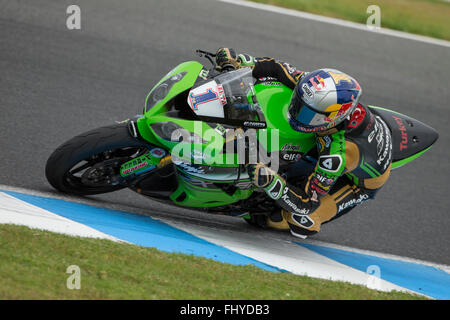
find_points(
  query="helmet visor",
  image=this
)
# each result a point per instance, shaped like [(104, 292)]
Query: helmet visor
[(304, 118)]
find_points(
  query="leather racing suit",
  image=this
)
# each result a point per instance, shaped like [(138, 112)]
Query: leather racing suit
[(354, 162)]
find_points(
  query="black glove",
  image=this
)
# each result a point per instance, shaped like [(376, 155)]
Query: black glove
[(227, 58), (260, 174)]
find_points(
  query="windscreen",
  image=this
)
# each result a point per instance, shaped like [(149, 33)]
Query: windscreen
[(228, 98), (241, 99)]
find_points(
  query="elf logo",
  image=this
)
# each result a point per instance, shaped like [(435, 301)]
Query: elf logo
[(292, 156), (323, 179)]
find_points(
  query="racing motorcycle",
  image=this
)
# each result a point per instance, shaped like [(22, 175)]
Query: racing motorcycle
[(190, 146)]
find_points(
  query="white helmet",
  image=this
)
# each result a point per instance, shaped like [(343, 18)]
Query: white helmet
[(322, 100)]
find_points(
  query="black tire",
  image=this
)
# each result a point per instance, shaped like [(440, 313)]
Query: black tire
[(85, 147)]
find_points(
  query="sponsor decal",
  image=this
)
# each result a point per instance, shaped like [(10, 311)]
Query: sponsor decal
[(292, 156), (331, 163), (134, 168), (321, 183), (381, 135), (291, 147), (357, 117), (289, 68), (292, 205), (328, 141), (307, 90), (353, 202), (289, 152), (324, 180), (190, 168), (318, 82), (372, 133), (324, 142), (204, 74), (304, 129), (254, 124), (338, 77), (380, 140), (138, 165), (157, 152), (336, 114), (318, 189), (263, 79), (220, 129), (384, 146), (402, 128), (208, 96), (222, 97), (272, 83)]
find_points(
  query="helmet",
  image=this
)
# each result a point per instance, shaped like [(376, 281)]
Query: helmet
[(322, 100)]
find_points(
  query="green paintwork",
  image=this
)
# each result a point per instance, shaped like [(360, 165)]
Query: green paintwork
[(196, 196), (274, 99), (192, 68), (398, 164)]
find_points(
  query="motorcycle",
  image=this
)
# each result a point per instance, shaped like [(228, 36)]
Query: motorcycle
[(191, 145)]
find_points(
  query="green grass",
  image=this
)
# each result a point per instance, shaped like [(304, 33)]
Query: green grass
[(33, 265), (425, 17)]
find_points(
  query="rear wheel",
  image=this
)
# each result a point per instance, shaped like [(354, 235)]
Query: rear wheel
[(90, 163)]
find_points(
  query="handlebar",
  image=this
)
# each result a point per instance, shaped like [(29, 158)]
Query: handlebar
[(210, 56), (207, 55)]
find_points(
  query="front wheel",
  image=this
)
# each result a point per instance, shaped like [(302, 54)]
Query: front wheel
[(90, 163)]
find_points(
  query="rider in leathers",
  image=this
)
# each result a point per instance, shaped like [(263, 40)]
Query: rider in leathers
[(354, 146)]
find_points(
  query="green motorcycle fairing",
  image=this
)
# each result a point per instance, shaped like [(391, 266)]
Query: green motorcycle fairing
[(204, 171)]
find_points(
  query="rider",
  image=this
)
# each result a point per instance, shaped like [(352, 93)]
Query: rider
[(354, 146)]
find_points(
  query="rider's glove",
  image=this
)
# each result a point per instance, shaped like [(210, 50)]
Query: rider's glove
[(227, 57), (260, 174), (246, 60)]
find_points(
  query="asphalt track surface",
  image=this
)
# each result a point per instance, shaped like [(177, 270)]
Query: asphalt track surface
[(56, 83)]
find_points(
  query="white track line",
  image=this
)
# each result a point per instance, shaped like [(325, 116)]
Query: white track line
[(280, 253), (287, 256), (443, 267), (339, 22), (18, 212)]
